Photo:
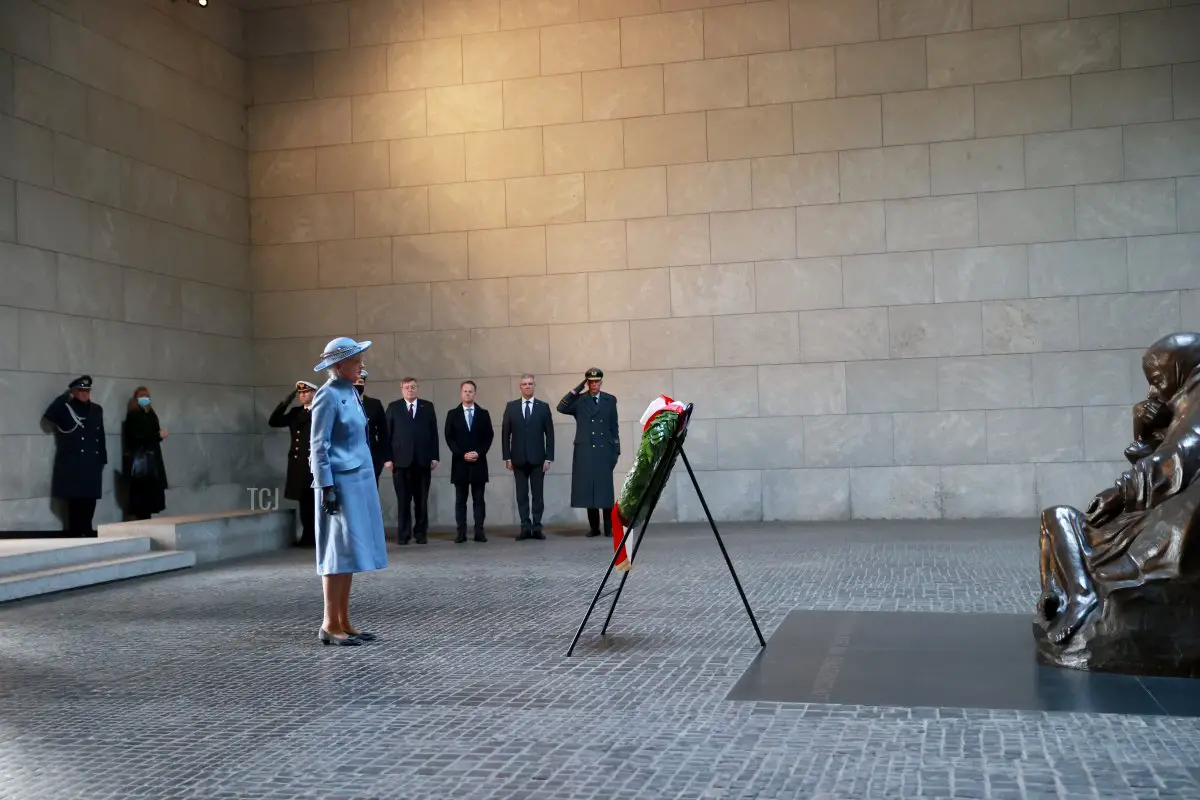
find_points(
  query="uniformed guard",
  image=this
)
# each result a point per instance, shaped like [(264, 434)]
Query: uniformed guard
[(298, 483), (377, 429), (597, 448), (81, 453)]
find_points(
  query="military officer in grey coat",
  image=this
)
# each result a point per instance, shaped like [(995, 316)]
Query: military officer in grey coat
[(81, 453), (597, 448)]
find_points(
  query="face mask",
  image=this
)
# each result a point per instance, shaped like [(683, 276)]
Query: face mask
[(143, 401)]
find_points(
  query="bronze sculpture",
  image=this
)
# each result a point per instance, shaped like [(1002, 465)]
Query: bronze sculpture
[(1121, 582)]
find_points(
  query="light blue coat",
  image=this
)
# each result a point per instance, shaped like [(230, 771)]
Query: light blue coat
[(339, 432)]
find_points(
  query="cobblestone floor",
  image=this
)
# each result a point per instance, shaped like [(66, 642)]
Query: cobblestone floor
[(210, 683)]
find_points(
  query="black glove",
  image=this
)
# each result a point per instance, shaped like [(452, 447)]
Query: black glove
[(579, 389), (291, 396), (329, 500)]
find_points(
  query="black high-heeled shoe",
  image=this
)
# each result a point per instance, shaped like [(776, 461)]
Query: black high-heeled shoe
[(329, 638)]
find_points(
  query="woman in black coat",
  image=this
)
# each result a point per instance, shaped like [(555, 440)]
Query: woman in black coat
[(142, 457), (298, 483)]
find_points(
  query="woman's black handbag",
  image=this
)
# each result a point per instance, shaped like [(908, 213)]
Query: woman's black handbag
[(142, 465)]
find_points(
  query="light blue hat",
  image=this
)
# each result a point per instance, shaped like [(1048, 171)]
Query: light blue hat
[(339, 349)]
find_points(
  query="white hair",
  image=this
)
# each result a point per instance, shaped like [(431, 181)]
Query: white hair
[(529, 375)]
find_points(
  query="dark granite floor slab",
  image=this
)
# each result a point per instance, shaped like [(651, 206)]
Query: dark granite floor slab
[(979, 661)]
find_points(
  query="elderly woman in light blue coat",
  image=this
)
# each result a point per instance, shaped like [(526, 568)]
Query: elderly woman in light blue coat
[(349, 520)]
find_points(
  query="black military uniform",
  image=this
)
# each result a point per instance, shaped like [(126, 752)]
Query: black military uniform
[(298, 483), (597, 448), (81, 454), (377, 429)]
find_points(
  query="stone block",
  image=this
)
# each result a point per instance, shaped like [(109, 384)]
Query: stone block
[(1034, 435), (1073, 484), (1163, 263), (1121, 97), (933, 115), (345, 168), (797, 285), (1081, 379), (1074, 157), (586, 247), (626, 194), (702, 85), (737, 494), (433, 354), (278, 173), (1077, 268), (985, 382), (215, 310), (667, 139), (645, 294), (284, 267), (1032, 215), (56, 343), (805, 494), (843, 334), (817, 23), (394, 308), (406, 115), (791, 76), (87, 172), (289, 314), (507, 253), (944, 329), (355, 262), (1105, 432), (466, 206), (988, 491), (904, 18), (1110, 321), (458, 17), (304, 123), (853, 440), (749, 132), (423, 64), (756, 27), (429, 257), (500, 56), (1133, 208), (515, 14), (6, 84), (983, 56), (552, 100), (1071, 46), (662, 38), (53, 221), (1186, 90), (787, 390), (896, 493), (1187, 204), (749, 339), (883, 173), (391, 212), (844, 124), (801, 180), (301, 29), (583, 147), (881, 67), (554, 299), (278, 79), (464, 109), (680, 343), (710, 186), (896, 385), (844, 229), (621, 93), (492, 155), (1032, 106), (1162, 150), (980, 273), (581, 47), (470, 304), (634, 391), (576, 347), (1166, 36), (932, 223), (614, 9), (887, 279), (28, 278), (540, 201), (760, 443), (1001, 13), (429, 160), (1030, 326), (710, 290), (49, 99), (761, 235), (978, 165), (939, 437), (668, 241), (1189, 303), (8, 211), (358, 70)]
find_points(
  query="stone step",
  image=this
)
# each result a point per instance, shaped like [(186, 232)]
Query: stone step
[(74, 576), (19, 556)]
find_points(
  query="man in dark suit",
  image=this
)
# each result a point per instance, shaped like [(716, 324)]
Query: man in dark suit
[(469, 436), (81, 454), (414, 452), (527, 443), (376, 424), (597, 448)]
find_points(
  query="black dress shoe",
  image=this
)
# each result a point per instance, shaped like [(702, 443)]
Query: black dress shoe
[(537, 535), (523, 535), (422, 540), (479, 537), (592, 533), (462, 537)]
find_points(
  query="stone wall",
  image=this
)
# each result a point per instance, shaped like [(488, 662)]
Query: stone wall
[(902, 254), (124, 233)]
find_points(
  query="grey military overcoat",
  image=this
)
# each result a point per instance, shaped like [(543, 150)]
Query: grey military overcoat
[(597, 448)]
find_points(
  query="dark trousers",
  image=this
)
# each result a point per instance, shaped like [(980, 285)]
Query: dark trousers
[(594, 515), (79, 517), (412, 489), (529, 479), (460, 505), (308, 514)]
